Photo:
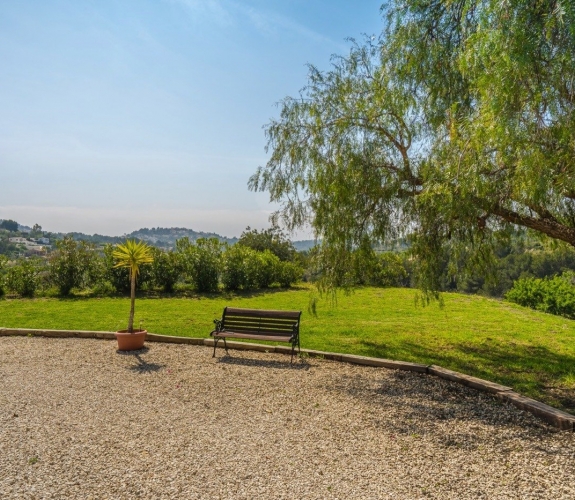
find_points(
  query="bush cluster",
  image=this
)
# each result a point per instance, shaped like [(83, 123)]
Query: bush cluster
[(206, 265), (554, 295)]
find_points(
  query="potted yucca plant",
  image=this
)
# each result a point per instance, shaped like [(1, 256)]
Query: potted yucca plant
[(132, 255)]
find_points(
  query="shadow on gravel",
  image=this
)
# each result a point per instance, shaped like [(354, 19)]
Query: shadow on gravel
[(142, 365), (259, 363), (420, 405), (534, 370)]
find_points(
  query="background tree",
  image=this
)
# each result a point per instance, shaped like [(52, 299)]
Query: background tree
[(7, 248), (36, 231), (272, 239), (453, 126), (9, 225)]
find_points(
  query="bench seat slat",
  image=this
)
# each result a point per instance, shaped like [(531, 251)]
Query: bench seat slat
[(276, 338), (232, 325), (261, 331)]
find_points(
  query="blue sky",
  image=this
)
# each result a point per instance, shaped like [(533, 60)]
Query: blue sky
[(119, 114)]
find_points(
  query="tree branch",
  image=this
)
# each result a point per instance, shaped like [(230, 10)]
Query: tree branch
[(550, 227)]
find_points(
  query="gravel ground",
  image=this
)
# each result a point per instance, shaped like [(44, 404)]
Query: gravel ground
[(80, 420)]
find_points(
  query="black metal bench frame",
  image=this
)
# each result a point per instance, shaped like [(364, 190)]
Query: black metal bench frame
[(258, 324)]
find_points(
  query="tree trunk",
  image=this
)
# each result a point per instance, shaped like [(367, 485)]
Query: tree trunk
[(132, 302)]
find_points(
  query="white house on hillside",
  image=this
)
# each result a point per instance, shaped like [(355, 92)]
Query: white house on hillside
[(30, 245)]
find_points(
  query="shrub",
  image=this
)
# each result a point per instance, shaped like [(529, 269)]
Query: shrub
[(72, 265), (240, 268), (389, 270), (201, 262), (23, 278), (3, 262), (166, 269), (288, 274), (103, 288), (268, 267), (552, 295)]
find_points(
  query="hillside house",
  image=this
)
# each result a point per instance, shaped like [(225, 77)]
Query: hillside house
[(31, 246)]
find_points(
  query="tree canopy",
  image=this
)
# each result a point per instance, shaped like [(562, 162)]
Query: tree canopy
[(272, 239), (452, 126), (9, 225)]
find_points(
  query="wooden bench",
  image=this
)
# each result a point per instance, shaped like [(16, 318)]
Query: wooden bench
[(258, 324)]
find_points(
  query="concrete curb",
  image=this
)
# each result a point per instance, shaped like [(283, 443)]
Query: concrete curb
[(553, 416)]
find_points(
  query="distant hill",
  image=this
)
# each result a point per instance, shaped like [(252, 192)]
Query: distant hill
[(166, 237), (303, 245), (163, 237)]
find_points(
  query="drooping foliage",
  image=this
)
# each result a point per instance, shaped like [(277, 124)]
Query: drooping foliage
[(452, 126)]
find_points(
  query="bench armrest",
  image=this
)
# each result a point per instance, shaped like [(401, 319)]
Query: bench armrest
[(218, 323)]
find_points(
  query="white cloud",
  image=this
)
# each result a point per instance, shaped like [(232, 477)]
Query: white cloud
[(268, 23), (213, 9)]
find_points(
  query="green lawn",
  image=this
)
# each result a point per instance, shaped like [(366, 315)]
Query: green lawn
[(530, 351)]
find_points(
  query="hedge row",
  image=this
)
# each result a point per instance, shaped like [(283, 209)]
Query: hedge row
[(207, 265)]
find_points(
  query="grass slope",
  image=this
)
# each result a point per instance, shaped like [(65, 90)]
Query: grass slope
[(530, 351)]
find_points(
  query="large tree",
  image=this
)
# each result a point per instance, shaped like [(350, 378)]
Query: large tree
[(456, 123)]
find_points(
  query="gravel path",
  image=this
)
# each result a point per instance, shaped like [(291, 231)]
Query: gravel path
[(79, 420)]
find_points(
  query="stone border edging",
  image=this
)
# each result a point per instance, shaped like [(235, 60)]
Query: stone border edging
[(553, 416)]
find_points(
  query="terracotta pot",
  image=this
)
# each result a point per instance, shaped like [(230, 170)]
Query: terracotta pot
[(130, 341)]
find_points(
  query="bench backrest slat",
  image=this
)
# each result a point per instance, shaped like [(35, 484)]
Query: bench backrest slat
[(261, 313), (264, 322), (255, 322)]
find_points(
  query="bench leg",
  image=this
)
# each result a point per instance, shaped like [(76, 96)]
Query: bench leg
[(216, 340), (293, 344)]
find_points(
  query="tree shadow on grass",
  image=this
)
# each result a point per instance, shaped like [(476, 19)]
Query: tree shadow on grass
[(141, 366), (532, 370), (179, 294), (298, 364)]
